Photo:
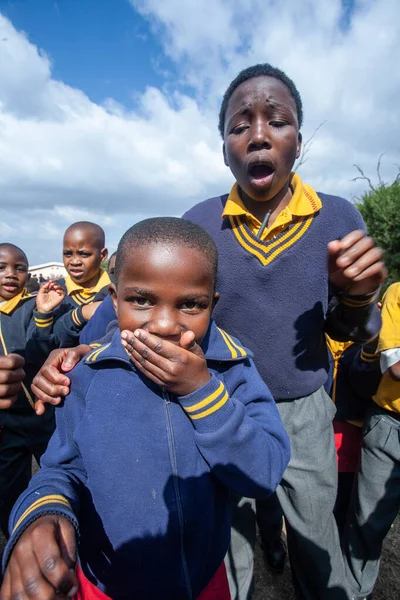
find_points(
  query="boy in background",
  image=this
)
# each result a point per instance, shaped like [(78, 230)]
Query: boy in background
[(26, 325), (377, 499), (190, 419), (86, 284)]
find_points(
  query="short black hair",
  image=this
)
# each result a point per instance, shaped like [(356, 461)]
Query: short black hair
[(170, 231), (98, 232), (5, 245), (260, 70)]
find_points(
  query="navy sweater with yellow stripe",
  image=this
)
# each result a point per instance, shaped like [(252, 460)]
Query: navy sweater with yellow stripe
[(145, 476), (354, 377), (275, 295), (29, 333)]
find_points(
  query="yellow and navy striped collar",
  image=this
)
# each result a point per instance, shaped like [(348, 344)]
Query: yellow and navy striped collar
[(73, 287), (8, 307), (304, 201), (217, 345)]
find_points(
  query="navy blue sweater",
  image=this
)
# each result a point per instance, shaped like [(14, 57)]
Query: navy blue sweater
[(29, 333), (145, 475), (275, 295)]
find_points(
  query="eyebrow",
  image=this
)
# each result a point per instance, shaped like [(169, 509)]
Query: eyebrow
[(2, 263), (147, 293), (269, 102), (137, 290)]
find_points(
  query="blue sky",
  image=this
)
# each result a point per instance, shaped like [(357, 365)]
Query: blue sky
[(103, 47), (108, 108)]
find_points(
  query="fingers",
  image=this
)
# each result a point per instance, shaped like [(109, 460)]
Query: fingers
[(11, 376), (11, 361), (73, 356), (50, 386), (187, 340), (150, 348), (39, 408)]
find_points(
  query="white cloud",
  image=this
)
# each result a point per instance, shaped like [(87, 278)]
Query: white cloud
[(64, 158)]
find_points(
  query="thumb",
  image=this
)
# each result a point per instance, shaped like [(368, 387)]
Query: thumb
[(67, 540), (69, 361), (187, 342), (39, 408)]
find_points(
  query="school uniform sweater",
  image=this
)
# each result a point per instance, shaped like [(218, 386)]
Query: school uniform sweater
[(96, 328), (275, 294), (27, 332), (144, 475), (354, 376), (70, 319)]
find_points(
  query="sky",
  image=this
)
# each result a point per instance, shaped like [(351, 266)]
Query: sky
[(108, 108)]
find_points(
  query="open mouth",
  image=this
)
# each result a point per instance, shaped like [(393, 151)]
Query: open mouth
[(10, 287), (261, 174), (261, 171)]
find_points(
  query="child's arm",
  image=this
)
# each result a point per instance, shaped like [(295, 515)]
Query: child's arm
[(237, 430), (68, 327), (40, 337), (54, 490), (365, 372), (389, 337), (356, 271)]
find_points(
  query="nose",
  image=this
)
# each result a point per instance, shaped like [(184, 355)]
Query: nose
[(165, 324), (11, 273), (76, 260), (259, 139)]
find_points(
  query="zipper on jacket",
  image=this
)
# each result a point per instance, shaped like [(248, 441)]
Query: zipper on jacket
[(172, 453)]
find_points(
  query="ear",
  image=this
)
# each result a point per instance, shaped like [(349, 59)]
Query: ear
[(224, 153), (104, 254), (112, 290), (299, 143), (215, 299)]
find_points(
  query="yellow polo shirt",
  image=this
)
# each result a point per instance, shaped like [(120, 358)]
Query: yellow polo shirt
[(85, 295), (304, 202), (388, 394)]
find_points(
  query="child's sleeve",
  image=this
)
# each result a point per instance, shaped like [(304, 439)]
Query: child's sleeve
[(365, 372), (354, 318), (239, 432), (97, 327), (68, 327), (40, 337), (56, 488)]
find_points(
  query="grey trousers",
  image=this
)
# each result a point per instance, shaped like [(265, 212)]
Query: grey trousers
[(307, 495), (376, 501)]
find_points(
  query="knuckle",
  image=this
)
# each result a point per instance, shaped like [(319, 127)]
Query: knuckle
[(158, 347), (31, 585), (17, 595), (49, 564), (145, 352)]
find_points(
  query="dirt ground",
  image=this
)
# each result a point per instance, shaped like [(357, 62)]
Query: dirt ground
[(270, 586)]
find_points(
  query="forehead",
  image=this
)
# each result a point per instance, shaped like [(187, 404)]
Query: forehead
[(260, 89), (12, 255), (80, 237), (167, 265)]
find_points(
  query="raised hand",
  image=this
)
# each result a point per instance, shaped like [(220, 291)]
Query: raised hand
[(42, 564), (179, 369), (355, 264), (49, 296)]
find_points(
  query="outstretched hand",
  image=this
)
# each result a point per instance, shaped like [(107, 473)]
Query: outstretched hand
[(42, 564), (11, 377), (50, 386), (178, 368), (355, 264), (49, 296)]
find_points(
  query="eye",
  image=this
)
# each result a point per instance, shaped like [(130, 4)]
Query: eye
[(67, 253), (278, 123), (239, 129), (140, 302), (193, 306), (21, 270)]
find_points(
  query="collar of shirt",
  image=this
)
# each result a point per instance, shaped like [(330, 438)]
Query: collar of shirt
[(73, 287), (10, 305), (304, 202)]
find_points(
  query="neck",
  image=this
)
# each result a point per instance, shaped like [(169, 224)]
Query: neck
[(90, 282), (275, 205)]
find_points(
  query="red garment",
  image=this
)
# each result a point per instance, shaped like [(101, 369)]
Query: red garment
[(217, 589), (348, 441)]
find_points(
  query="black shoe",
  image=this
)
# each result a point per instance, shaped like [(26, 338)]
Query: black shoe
[(275, 554)]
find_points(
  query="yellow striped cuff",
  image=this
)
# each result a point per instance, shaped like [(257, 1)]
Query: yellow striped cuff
[(40, 503), (354, 302), (212, 403), (75, 318), (43, 322), (369, 357)]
